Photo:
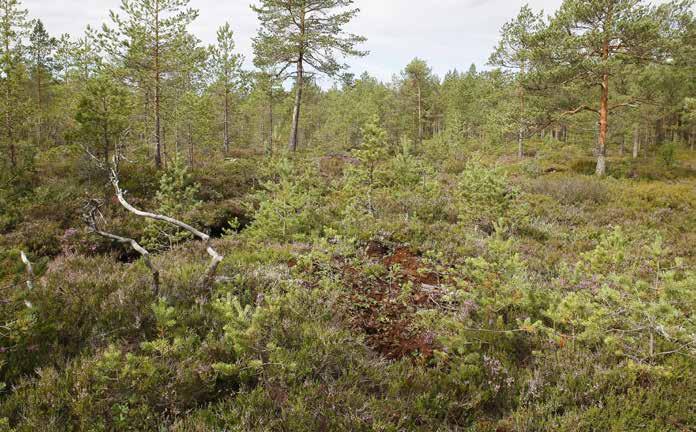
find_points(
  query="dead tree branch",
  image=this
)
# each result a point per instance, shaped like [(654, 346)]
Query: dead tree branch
[(91, 219), (30, 270), (215, 258)]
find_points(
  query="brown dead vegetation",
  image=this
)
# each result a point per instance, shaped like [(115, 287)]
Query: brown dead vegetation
[(384, 307)]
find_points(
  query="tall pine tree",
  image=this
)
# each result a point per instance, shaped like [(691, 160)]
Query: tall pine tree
[(41, 59), (418, 84), (225, 66), (13, 28), (305, 34), (145, 40), (590, 43)]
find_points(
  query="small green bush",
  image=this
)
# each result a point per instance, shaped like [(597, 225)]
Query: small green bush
[(288, 206), (176, 198), (668, 154), (485, 197)]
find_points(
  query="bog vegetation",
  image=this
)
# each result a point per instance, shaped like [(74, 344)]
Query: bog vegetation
[(191, 245)]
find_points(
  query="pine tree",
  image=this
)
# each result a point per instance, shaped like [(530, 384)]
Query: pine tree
[(183, 92), (592, 42), (372, 151), (689, 116), (301, 34), (41, 59), (146, 42), (226, 68), (64, 57), (13, 28), (267, 83), (513, 53), (85, 57), (176, 197), (418, 82), (103, 114)]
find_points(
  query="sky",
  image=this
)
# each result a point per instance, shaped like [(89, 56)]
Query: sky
[(448, 34)]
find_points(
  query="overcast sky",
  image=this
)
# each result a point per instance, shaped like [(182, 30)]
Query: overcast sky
[(447, 34)]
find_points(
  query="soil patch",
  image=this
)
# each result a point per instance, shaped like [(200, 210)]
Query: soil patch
[(384, 307)]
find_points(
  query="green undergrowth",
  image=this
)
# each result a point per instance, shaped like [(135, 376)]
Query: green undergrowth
[(517, 296)]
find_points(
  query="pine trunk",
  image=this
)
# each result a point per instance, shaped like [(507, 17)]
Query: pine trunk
[(8, 132), (226, 132), (8, 116), (603, 113), (163, 139), (39, 107), (523, 103), (269, 149), (190, 145), (107, 145), (298, 102), (158, 123), (636, 142), (420, 116), (603, 127)]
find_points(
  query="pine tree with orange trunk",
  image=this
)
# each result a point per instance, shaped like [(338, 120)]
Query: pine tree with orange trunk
[(590, 43)]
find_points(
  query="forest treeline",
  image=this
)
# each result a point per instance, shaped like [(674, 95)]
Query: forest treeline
[(614, 75)]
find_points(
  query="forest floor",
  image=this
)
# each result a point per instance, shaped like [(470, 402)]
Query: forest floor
[(447, 291)]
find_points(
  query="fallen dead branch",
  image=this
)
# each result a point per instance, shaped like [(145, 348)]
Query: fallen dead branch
[(208, 277), (30, 270), (91, 219)]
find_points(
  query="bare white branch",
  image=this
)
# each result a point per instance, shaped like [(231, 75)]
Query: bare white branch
[(91, 219), (215, 258), (30, 270)]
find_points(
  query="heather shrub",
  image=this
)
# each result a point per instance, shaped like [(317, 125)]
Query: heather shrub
[(571, 190), (77, 303), (139, 180), (229, 179)]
